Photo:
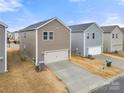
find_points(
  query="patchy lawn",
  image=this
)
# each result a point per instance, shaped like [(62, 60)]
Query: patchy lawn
[(96, 67), (22, 78), (115, 55)]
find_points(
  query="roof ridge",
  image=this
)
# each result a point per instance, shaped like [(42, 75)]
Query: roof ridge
[(83, 24)]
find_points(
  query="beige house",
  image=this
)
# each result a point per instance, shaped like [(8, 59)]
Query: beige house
[(47, 41), (3, 50), (113, 38), (122, 29)]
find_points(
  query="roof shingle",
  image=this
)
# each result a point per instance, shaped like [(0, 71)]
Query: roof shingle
[(80, 27), (36, 25), (109, 29)]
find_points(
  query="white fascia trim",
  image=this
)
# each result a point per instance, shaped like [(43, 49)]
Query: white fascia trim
[(84, 44), (6, 50), (36, 47)]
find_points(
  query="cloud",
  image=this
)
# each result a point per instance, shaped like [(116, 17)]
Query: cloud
[(120, 2), (10, 5), (113, 19)]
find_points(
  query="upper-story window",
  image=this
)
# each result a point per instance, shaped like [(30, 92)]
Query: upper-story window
[(113, 35), (50, 35), (88, 36), (116, 35), (93, 35), (24, 35), (47, 35)]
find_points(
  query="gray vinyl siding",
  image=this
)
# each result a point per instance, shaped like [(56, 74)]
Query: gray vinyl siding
[(2, 48), (77, 41), (29, 43), (107, 42), (117, 43), (97, 41), (61, 39)]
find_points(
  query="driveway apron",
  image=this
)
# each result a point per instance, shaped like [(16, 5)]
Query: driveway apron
[(75, 78)]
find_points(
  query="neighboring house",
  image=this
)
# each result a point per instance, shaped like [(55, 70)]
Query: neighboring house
[(86, 39), (3, 52), (113, 38), (16, 35), (10, 35), (47, 41), (122, 29)]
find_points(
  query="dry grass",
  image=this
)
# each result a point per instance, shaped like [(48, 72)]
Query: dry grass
[(22, 78), (96, 67), (115, 55)]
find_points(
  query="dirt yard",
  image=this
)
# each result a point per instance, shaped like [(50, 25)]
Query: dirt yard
[(96, 67), (22, 78)]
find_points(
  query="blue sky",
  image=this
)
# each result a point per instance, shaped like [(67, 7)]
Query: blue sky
[(18, 14)]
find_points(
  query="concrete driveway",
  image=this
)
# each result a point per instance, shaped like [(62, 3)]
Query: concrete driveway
[(115, 61), (75, 78)]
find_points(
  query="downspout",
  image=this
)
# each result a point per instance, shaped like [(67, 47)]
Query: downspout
[(36, 47), (5, 49)]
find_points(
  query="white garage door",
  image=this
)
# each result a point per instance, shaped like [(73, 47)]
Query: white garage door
[(55, 56), (94, 50)]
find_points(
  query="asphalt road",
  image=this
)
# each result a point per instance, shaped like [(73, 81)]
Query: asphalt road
[(116, 86)]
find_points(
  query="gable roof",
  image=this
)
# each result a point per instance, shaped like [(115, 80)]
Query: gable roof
[(41, 24), (3, 24), (80, 27), (122, 29), (109, 29)]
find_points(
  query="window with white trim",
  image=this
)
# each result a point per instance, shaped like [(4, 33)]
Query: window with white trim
[(47, 35), (24, 35), (50, 35), (93, 35), (88, 36), (113, 35), (116, 35)]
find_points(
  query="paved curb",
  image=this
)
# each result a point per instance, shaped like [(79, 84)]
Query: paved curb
[(101, 84)]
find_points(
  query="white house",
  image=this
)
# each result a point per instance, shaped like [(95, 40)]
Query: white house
[(113, 38), (87, 39)]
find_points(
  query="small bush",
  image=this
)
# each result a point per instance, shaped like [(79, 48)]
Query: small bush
[(90, 57), (116, 52)]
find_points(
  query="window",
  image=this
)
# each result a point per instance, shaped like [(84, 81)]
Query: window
[(116, 35), (88, 36), (24, 35), (113, 35), (47, 35), (50, 35), (93, 35)]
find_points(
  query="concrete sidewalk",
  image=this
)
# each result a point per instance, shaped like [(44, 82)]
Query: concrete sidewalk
[(75, 78)]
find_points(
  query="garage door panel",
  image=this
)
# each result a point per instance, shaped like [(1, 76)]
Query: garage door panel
[(94, 50), (56, 56)]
